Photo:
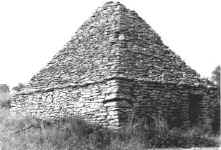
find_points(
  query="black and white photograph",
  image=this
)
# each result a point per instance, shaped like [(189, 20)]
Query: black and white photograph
[(110, 75)]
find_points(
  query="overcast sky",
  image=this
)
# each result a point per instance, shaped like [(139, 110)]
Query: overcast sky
[(32, 31)]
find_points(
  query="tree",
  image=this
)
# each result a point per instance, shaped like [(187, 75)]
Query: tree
[(4, 95), (216, 81), (4, 88), (216, 76)]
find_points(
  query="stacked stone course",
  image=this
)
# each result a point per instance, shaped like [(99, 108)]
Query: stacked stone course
[(86, 102), (116, 66)]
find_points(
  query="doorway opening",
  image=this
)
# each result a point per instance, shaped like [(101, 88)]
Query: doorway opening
[(194, 108)]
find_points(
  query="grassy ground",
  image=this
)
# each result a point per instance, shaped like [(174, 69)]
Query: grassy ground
[(24, 133)]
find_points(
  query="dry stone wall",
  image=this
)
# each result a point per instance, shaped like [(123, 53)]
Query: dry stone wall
[(116, 102), (86, 102), (172, 102), (152, 100)]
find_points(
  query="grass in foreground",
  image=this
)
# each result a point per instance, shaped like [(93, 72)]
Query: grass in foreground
[(23, 133)]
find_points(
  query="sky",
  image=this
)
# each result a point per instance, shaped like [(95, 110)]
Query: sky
[(32, 31)]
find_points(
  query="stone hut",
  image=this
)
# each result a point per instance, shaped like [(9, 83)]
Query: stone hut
[(116, 69)]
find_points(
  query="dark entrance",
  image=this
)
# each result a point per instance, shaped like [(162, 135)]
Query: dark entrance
[(194, 108)]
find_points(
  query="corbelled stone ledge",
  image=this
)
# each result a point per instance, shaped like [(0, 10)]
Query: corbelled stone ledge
[(48, 89)]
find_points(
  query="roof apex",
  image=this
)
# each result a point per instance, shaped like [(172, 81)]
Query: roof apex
[(111, 3)]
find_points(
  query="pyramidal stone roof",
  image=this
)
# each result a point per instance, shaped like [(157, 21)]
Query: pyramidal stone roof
[(114, 43)]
